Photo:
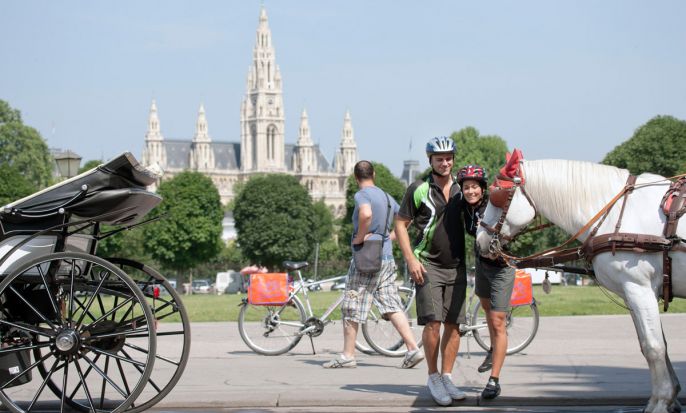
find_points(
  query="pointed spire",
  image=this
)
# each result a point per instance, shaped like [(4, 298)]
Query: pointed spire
[(201, 133), (153, 132), (304, 138), (347, 135)]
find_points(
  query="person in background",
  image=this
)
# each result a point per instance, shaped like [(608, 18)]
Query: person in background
[(372, 217), (494, 279), (436, 264)]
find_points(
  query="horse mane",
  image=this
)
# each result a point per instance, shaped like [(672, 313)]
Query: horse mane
[(569, 193)]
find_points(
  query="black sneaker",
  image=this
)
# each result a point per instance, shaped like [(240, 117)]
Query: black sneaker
[(491, 391), (488, 362)]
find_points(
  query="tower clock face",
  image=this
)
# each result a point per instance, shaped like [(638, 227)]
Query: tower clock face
[(270, 101)]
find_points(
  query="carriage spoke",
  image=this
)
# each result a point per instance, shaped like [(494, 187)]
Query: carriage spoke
[(26, 370), (123, 375), (96, 293), (88, 370), (106, 354), (83, 308), (42, 386), (140, 332), (29, 328), (103, 375), (102, 389), (53, 302), (28, 304), (144, 351), (107, 314), (15, 349), (150, 380), (85, 385), (71, 292), (64, 386)]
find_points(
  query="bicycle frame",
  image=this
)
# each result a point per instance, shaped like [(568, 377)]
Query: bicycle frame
[(304, 287)]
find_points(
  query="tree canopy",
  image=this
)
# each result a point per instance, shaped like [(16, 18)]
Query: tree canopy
[(275, 220), (190, 232), (13, 185), (22, 148), (487, 151), (657, 146)]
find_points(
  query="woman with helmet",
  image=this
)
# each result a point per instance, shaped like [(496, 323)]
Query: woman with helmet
[(494, 279), (435, 261)]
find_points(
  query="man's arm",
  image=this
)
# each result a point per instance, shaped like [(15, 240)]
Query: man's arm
[(364, 220), (414, 267)]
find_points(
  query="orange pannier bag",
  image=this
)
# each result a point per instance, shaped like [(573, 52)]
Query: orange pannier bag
[(268, 288), (521, 292)]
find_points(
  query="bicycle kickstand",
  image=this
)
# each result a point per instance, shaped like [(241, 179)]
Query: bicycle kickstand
[(312, 343)]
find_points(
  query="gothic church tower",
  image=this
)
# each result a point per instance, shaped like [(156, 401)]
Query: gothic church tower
[(262, 114), (304, 156), (202, 154), (346, 157), (154, 151)]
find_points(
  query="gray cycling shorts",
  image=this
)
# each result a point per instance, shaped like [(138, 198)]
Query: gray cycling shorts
[(442, 296), (495, 283)]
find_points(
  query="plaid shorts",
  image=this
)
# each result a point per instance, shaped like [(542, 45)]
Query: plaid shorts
[(362, 289)]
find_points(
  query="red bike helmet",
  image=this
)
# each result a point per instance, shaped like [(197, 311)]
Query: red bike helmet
[(474, 172)]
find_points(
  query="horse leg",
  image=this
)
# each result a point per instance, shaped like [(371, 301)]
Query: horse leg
[(675, 379), (646, 317)]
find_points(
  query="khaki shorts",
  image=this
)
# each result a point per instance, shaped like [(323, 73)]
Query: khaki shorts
[(442, 296), (362, 289), (494, 283)]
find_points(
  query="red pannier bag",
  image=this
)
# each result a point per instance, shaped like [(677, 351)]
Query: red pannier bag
[(268, 288), (521, 292)]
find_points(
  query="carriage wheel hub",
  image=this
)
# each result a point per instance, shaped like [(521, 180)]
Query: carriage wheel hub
[(67, 341)]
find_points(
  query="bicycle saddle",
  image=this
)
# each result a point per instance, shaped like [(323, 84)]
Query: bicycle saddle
[(295, 265)]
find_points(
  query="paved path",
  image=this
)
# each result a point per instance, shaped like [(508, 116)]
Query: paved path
[(574, 361)]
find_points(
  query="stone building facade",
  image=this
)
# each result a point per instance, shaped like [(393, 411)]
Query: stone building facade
[(262, 147)]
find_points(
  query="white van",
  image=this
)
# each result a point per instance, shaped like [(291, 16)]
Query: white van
[(538, 275)]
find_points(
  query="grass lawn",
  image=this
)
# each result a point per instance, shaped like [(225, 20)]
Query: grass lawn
[(571, 300)]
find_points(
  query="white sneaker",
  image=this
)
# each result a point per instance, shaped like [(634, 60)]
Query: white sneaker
[(454, 392), (438, 390), (412, 358)]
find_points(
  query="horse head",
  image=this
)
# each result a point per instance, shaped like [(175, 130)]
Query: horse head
[(509, 209)]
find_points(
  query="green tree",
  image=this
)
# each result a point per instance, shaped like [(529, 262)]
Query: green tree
[(13, 185), (274, 220), (472, 148), (657, 146), (323, 221), (90, 165), (190, 231), (385, 180), (22, 148)]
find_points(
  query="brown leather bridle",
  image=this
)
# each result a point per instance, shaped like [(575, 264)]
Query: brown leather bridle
[(500, 195)]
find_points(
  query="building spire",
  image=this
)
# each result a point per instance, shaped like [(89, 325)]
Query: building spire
[(304, 137), (201, 132)]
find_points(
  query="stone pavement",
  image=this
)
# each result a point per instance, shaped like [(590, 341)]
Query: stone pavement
[(574, 361)]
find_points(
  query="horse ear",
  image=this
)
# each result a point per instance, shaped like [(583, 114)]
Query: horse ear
[(511, 164)]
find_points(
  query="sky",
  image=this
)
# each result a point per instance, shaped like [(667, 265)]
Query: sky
[(557, 79)]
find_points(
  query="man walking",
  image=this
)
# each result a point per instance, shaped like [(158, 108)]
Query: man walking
[(372, 217), (436, 264)]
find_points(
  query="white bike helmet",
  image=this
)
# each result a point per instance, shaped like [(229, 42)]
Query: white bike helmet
[(441, 144)]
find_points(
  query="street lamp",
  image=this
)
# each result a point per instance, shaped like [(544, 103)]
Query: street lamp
[(68, 164)]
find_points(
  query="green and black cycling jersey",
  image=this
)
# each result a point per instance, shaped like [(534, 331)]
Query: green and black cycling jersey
[(439, 221)]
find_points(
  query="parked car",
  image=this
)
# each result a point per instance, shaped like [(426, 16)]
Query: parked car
[(338, 286), (202, 287)]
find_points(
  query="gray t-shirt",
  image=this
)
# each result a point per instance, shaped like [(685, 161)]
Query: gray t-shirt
[(376, 197)]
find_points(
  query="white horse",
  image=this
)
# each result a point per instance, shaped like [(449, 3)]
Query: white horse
[(569, 194)]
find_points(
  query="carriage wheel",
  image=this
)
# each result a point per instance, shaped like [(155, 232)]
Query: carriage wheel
[(173, 334), (80, 318)]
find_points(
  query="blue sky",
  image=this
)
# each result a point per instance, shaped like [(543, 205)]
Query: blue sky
[(558, 79)]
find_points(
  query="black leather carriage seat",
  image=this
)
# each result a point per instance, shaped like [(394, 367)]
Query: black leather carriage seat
[(115, 194)]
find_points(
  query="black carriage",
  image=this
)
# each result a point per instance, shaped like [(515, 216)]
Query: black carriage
[(78, 331)]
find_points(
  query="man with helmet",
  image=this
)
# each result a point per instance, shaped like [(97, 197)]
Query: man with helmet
[(494, 279), (436, 263)]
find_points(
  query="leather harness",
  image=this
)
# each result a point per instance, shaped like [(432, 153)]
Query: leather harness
[(673, 205)]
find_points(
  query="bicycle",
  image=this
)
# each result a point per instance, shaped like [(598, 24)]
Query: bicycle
[(521, 323), (522, 326), (273, 330)]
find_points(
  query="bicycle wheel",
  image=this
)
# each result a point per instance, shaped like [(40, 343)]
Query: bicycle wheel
[(271, 330), (522, 325), (76, 314), (380, 333), (173, 338)]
